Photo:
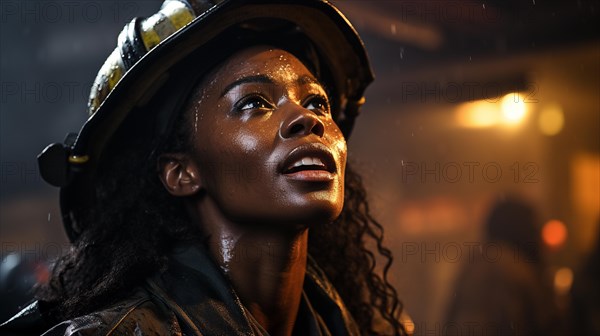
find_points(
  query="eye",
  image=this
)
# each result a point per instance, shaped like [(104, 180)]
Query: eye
[(318, 103), (253, 102)]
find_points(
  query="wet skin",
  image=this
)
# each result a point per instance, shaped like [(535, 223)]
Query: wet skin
[(253, 120)]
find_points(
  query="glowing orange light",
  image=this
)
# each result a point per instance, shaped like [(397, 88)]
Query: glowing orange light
[(554, 233), (513, 108), (551, 120), (477, 114), (563, 280)]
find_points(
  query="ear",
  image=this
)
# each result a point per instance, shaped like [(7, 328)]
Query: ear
[(179, 174)]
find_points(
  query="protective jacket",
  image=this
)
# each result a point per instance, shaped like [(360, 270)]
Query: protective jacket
[(193, 297)]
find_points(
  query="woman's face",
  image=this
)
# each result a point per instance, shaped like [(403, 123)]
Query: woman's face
[(266, 146)]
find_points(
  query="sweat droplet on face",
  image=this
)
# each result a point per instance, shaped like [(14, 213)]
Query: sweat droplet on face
[(282, 72)]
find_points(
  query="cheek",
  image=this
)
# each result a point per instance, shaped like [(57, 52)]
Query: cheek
[(339, 146), (247, 142), (342, 150), (231, 159)]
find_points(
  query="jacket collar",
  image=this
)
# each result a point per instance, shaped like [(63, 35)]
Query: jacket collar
[(199, 293)]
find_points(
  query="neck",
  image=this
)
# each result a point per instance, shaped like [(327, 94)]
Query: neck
[(266, 269), (268, 275)]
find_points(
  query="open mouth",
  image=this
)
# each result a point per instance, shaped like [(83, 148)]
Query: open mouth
[(310, 162), (306, 163)]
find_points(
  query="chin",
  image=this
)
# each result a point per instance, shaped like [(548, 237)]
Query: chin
[(292, 216), (316, 212)]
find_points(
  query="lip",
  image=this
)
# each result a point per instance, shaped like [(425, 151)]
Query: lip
[(316, 150)]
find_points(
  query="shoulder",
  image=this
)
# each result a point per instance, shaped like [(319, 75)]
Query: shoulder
[(136, 315)]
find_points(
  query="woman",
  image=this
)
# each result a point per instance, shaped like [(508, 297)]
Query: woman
[(208, 193)]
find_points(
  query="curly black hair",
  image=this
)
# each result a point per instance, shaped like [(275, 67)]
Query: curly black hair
[(134, 222)]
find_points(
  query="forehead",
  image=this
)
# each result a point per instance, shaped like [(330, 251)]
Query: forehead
[(277, 64)]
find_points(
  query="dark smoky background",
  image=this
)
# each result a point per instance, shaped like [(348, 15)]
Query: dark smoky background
[(479, 144)]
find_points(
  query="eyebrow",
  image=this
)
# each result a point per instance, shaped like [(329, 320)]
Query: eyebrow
[(302, 80), (250, 79), (306, 79)]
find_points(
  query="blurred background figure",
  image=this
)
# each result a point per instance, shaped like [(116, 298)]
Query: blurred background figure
[(506, 290), (585, 296)]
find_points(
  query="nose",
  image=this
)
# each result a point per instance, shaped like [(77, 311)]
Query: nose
[(301, 122)]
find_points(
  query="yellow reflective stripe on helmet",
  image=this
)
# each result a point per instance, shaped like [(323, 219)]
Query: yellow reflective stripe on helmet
[(178, 14), (149, 36), (172, 17), (181, 18), (163, 27), (109, 75), (115, 73)]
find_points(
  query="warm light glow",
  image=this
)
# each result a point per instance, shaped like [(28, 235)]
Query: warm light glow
[(563, 279), (584, 189), (510, 110), (554, 233), (477, 114), (551, 120), (408, 323), (513, 108)]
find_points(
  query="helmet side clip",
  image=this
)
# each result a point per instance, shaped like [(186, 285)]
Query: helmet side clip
[(54, 162)]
